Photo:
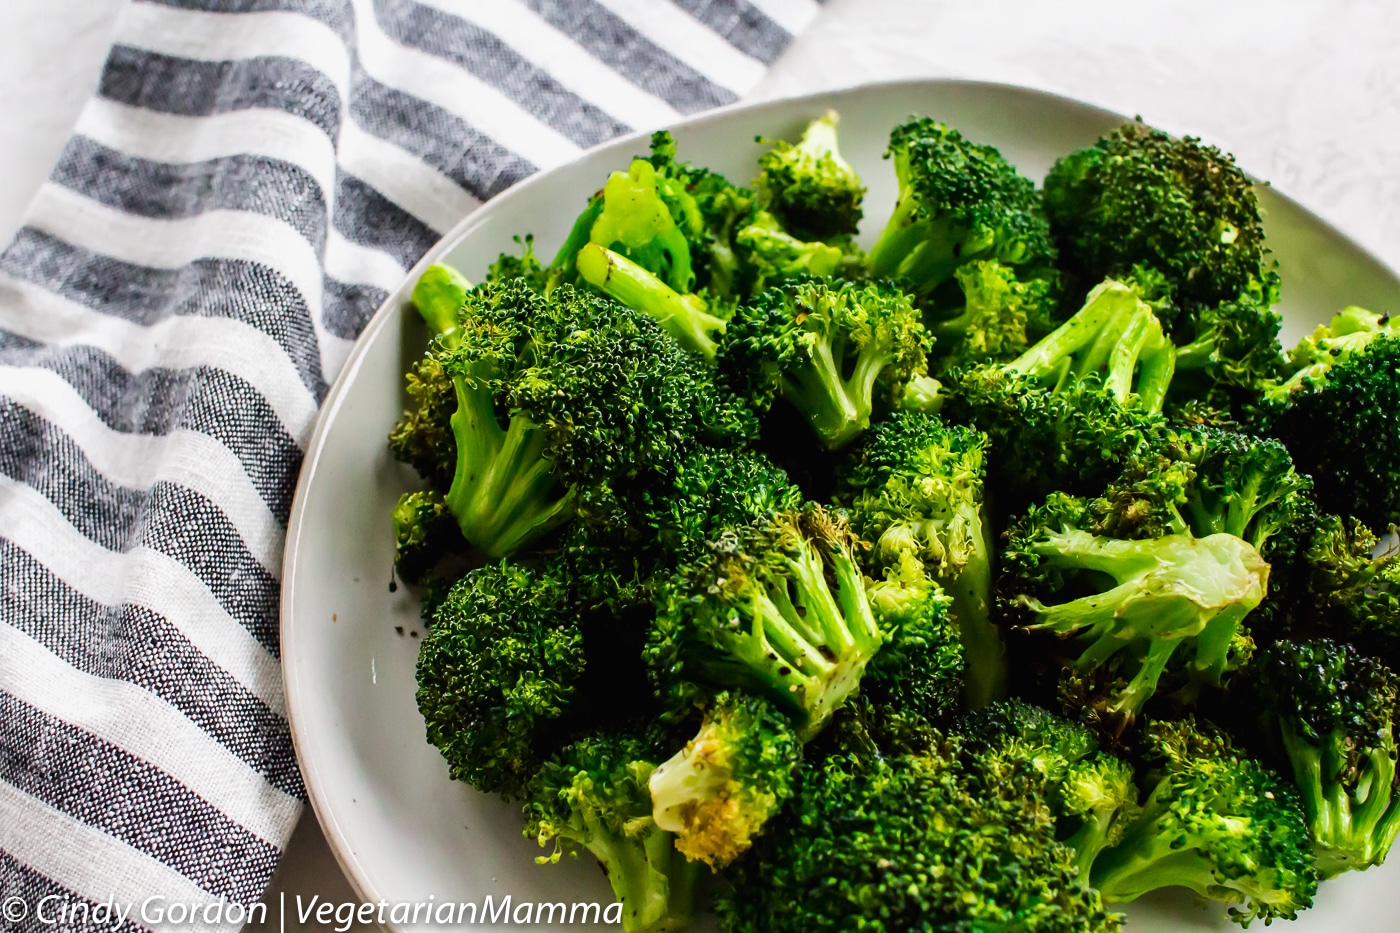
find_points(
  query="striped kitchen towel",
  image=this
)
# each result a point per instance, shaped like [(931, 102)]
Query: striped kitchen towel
[(250, 180)]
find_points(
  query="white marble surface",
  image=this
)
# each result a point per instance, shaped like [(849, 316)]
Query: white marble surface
[(1305, 92)]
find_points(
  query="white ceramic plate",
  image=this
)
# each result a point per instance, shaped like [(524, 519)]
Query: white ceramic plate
[(401, 829)]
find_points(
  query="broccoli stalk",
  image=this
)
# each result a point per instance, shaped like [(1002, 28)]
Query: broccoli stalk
[(717, 792), (958, 201), (683, 316), (810, 186), (825, 347), (779, 609), (1215, 822), (594, 795), (438, 295), (1115, 333), (1333, 711)]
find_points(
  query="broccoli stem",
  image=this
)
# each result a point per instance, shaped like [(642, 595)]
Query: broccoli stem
[(504, 492), (983, 648), (1145, 860), (1349, 832), (1089, 840), (654, 882), (838, 409), (920, 252), (682, 316), (438, 295), (578, 237)]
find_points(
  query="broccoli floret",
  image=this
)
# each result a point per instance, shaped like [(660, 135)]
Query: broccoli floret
[(998, 313), (526, 266), (1333, 711), (777, 608), (917, 681), (1216, 822), (593, 795), (771, 254), (958, 201), (497, 671), (423, 530), (1234, 356), (1336, 414), (915, 488), (714, 489), (911, 843), (1067, 413), (1091, 793), (717, 792), (548, 391), (826, 347), (423, 438), (1138, 196), (813, 191), (1131, 605)]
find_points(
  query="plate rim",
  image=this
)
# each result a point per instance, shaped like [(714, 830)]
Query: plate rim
[(293, 686)]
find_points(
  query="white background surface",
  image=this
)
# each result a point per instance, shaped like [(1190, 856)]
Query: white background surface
[(1305, 92)]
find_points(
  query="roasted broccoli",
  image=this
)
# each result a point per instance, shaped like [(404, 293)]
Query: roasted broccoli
[(1214, 821), (996, 318), (1335, 411), (1141, 197), (777, 608), (812, 190), (593, 795), (718, 791), (831, 349), (771, 254), (915, 489), (958, 201), (1333, 712), (928, 842)]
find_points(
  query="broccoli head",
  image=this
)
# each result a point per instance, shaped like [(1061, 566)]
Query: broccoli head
[(1141, 197), (423, 530), (826, 347), (958, 201), (1234, 355), (998, 313), (1091, 793), (812, 190), (1336, 414), (714, 489), (915, 489), (1131, 606), (771, 254), (926, 842), (526, 266), (717, 792), (497, 671), (593, 795), (777, 608), (1333, 711), (1217, 822)]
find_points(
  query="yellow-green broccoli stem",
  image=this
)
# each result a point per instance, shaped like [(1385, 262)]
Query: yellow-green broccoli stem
[(1168, 590), (838, 409), (1115, 333), (504, 493), (684, 317), (1351, 832), (438, 295), (983, 647)]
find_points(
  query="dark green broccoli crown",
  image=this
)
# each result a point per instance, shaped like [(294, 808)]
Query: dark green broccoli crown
[(777, 608), (1341, 428), (1040, 440), (1216, 821), (1145, 500), (717, 488), (496, 671), (926, 843), (826, 347), (958, 201), (1328, 689), (915, 484), (423, 438), (1349, 590), (814, 191), (717, 792), (1141, 196), (1016, 724), (1234, 356), (423, 532)]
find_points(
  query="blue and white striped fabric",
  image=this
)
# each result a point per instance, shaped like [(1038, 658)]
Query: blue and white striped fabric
[(250, 180)]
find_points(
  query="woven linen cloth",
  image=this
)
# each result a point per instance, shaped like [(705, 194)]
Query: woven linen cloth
[(249, 182)]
